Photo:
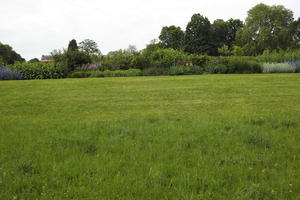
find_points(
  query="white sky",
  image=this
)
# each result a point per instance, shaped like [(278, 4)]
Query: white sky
[(36, 27)]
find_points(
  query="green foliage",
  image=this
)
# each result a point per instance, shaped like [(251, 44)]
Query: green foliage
[(234, 65), (294, 30), (153, 71), (215, 68), (75, 59), (73, 45), (237, 51), (266, 27), (179, 70), (8, 55), (278, 68), (40, 70), (116, 73), (172, 37), (80, 74), (2, 62), (198, 35), (198, 60), (224, 50), (89, 46), (121, 59), (185, 70), (165, 58), (72, 59), (279, 56), (34, 60)]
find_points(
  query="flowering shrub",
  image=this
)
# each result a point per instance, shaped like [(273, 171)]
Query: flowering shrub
[(296, 64), (8, 74)]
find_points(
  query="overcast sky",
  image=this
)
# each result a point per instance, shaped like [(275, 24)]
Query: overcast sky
[(36, 27)]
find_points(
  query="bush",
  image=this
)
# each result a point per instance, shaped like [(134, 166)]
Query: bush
[(8, 74), (234, 65), (278, 68), (80, 74), (179, 70), (185, 70), (241, 66), (165, 58), (296, 64), (116, 73), (153, 71), (215, 68), (279, 56), (196, 69), (40, 70), (72, 59), (198, 60)]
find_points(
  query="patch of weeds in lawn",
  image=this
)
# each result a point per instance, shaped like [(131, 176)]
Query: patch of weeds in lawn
[(289, 124), (254, 191), (258, 122), (27, 168), (257, 140)]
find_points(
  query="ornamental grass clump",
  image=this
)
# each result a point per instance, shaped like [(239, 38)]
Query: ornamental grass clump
[(8, 74), (278, 68)]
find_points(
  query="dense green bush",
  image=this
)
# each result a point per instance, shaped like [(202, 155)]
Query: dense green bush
[(80, 74), (185, 70), (198, 60), (165, 58), (278, 68), (40, 70), (118, 60), (233, 65), (179, 70), (279, 56), (73, 59), (116, 73), (153, 71), (215, 68)]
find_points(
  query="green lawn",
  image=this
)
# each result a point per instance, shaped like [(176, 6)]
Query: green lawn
[(182, 137)]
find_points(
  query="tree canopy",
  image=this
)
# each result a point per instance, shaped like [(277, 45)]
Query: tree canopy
[(73, 45), (198, 35), (172, 37), (8, 55), (266, 27), (89, 46)]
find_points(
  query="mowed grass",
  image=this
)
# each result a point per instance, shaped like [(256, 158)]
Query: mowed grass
[(185, 137)]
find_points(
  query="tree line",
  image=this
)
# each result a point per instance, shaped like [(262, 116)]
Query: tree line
[(266, 28)]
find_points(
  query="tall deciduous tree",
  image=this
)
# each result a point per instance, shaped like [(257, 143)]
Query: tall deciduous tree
[(295, 33), (233, 25), (90, 47), (224, 32), (8, 55), (266, 27), (198, 35), (172, 37)]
